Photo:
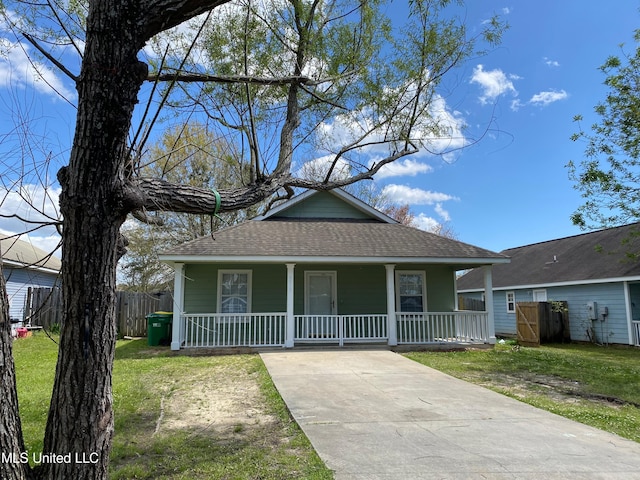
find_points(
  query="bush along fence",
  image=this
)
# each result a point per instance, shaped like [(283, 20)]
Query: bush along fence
[(43, 307)]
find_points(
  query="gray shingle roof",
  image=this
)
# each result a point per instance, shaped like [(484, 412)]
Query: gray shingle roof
[(19, 252), (315, 237), (590, 256)]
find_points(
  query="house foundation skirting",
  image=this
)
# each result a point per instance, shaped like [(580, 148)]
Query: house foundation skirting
[(217, 330)]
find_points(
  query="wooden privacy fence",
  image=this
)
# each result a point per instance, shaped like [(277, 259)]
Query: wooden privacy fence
[(474, 304), (542, 322), (43, 307)]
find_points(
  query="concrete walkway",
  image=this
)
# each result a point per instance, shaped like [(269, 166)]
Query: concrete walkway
[(373, 414)]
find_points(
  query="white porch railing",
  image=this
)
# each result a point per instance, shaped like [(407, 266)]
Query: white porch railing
[(340, 328), (636, 332), (269, 329), (443, 327), (234, 330)]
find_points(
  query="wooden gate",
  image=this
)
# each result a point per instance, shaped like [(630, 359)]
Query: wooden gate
[(541, 322), (528, 315)]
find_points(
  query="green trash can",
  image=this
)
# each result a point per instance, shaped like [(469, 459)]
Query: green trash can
[(159, 328)]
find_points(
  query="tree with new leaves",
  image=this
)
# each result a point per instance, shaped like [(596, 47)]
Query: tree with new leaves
[(282, 80), (187, 154), (609, 175)]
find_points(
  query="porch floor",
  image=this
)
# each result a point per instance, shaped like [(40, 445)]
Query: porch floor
[(324, 347)]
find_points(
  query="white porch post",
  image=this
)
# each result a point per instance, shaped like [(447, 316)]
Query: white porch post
[(488, 303), (391, 305), (291, 324), (627, 307), (178, 306), (456, 305)]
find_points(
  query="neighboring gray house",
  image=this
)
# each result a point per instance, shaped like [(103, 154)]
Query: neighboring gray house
[(324, 267), (24, 266), (590, 271)]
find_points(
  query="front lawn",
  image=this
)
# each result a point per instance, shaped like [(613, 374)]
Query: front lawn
[(180, 417), (598, 386)]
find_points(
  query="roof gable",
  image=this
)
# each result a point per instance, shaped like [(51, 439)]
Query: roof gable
[(320, 226), (334, 203), (581, 258)]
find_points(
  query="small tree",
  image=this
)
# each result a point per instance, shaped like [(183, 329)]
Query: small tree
[(609, 176)]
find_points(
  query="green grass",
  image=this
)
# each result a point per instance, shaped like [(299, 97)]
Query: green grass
[(150, 381), (594, 385)]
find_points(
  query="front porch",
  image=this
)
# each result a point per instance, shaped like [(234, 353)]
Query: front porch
[(267, 305), (213, 330)]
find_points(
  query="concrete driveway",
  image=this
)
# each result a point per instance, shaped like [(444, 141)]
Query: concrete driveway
[(373, 414)]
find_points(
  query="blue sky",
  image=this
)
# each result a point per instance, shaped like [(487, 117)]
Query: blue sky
[(510, 189)]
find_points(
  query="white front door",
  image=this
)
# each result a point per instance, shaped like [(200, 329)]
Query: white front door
[(320, 293), (320, 303)]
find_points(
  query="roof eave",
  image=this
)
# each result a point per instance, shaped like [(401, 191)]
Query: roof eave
[(39, 268), (464, 261), (566, 283)]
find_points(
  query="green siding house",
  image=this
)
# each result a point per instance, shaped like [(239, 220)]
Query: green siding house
[(324, 267)]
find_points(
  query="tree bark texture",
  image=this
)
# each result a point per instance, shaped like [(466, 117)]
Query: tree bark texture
[(92, 204), (12, 465), (98, 192)]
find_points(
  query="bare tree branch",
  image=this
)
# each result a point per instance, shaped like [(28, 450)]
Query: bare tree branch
[(60, 66), (234, 79)]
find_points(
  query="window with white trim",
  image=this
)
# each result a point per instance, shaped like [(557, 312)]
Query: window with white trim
[(411, 293), (234, 291), (540, 295), (511, 302)]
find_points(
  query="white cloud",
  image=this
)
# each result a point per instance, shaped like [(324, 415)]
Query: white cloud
[(30, 202), (516, 104), (178, 40), (406, 167), (493, 83), (17, 70), (545, 98), (426, 223), (318, 168), (415, 196), (438, 132), (551, 63), (442, 212)]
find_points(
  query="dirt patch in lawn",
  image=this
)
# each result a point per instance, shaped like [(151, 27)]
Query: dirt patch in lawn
[(557, 388), (223, 401)]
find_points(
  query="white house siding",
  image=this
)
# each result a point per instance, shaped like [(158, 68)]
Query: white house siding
[(18, 283)]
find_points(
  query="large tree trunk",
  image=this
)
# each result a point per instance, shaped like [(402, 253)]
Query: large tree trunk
[(12, 464), (97, 194), (80, 421)]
